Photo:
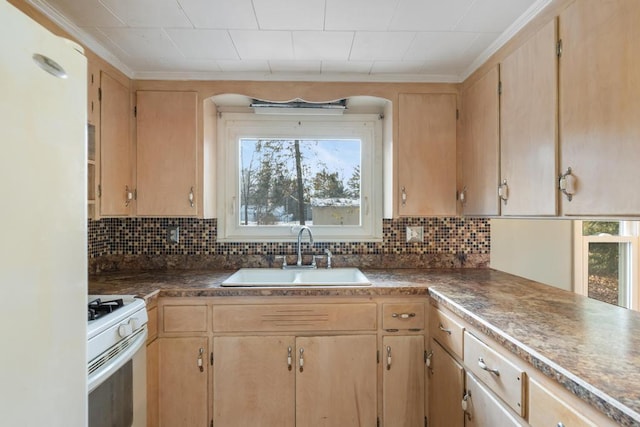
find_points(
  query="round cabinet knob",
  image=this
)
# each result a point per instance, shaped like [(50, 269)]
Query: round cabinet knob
[(125, 330)]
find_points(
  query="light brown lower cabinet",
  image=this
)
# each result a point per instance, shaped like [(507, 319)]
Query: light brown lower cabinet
[(403, 381), (301, 381), (182, 381), (152, 384), (254, 381), (484, 409), (446, 388)]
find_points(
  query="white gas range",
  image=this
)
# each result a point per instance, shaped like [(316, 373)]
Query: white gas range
[(116, 381)]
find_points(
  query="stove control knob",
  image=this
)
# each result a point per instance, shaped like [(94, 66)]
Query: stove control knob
[(135, 323), (125, 330)]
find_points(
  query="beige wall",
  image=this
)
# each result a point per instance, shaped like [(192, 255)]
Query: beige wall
[(540, 250)]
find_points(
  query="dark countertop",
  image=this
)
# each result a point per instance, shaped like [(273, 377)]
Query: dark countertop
[(590, 347)]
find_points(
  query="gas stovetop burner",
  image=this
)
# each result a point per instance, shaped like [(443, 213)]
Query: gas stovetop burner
[(98, 308)]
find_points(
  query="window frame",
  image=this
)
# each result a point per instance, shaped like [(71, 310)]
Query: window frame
[(629, 234), (232, 127)]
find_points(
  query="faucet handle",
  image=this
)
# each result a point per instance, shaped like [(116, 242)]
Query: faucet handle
[(284, 260), (329, 255)]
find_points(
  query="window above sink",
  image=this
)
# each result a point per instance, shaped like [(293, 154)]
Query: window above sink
[(268, 163)]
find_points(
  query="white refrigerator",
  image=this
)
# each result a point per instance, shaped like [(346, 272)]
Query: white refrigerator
[(43, 226)]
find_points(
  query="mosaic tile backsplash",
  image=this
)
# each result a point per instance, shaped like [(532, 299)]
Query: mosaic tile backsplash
[(141, 243)]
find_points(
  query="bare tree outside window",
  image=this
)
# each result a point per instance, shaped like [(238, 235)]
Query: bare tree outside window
[(300, 181)]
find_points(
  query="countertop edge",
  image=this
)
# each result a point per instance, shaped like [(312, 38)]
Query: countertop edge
[(621, 413)]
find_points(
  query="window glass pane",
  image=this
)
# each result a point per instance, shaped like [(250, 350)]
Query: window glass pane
[(300, 181), (595, 228), (607, 272)]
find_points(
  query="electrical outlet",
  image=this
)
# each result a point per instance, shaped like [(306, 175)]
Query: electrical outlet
[(173, 234), (415, 234)]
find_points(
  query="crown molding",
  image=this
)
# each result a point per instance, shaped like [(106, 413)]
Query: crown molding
[(503, 38), (83, 37)]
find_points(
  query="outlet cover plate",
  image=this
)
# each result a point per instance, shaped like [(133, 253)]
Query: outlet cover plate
[(415, 234), (173, 234)]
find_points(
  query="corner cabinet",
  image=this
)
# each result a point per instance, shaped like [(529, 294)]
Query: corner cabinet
[(600, 107), (426, 168), (166, 156), (528, 126), (403, 363), (480, 146)]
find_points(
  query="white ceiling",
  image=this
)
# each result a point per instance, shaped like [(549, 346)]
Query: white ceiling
[(364, 40)]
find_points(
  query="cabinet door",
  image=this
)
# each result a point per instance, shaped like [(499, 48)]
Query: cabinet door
[(253, 381), (336, 381), (484, 409), (480, 146), (166, 153), (528, 126), (182, 381), (600, 106), (427, 154), (116, 170), (152, 384), (446, 388), (403, 380)]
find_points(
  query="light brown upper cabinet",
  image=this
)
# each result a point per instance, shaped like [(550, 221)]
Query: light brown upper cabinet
[(166, 162), (427, 154), (528, 126), (600, 106), (116, 164), (480, 146)]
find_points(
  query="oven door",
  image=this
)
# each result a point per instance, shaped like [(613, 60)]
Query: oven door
[(117, 391)]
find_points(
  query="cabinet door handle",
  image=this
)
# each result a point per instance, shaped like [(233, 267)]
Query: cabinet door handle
[(301, 360), (560, 424), (465, 404), (462, 196), (404, 196), (289, 360), (565, 185), (191, 198), (128, 196), (388, 357), (200, 365), (503, 191), (443, 329), (403, 315), (484, 367)]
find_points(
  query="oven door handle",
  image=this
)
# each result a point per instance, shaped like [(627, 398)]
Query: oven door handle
[(111, 366)]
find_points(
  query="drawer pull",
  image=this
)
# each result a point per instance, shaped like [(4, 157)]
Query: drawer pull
[(484, 367), (560, 424), (403, 315), (289, 350), (388, 358), (443, 329)]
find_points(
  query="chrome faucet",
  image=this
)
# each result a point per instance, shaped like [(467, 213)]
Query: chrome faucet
[(304, 227)]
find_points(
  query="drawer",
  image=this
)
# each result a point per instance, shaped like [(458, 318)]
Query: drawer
[(184, 318), (403, 315), (152, 324), (294, 317), (547, 409), (502, 376), (485, 409), (447, 331)]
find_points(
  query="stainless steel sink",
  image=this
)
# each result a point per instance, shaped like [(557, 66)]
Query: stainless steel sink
[(267, 277)]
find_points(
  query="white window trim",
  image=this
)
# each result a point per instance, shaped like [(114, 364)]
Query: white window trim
[(234, 126), (631, 235)]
